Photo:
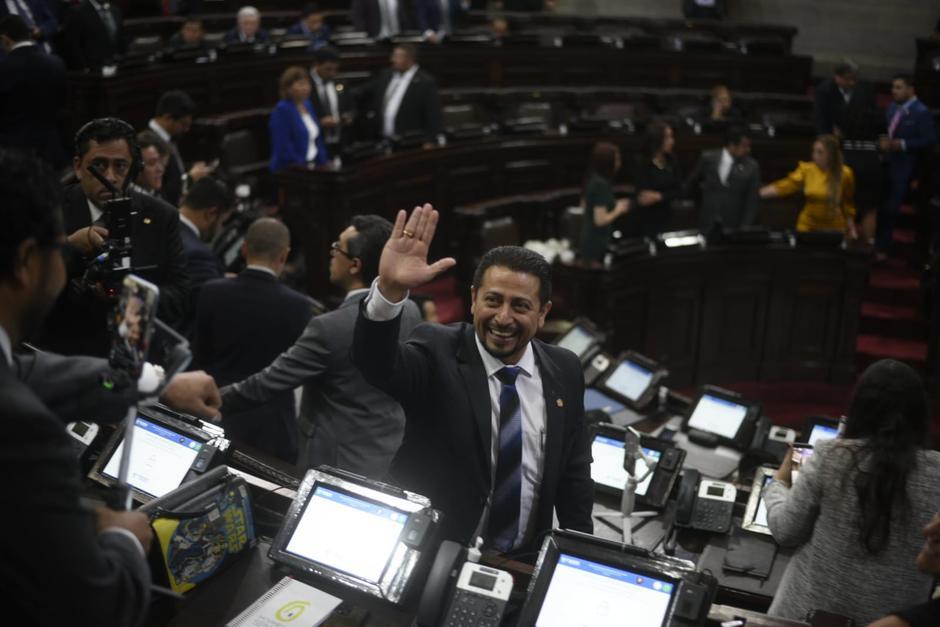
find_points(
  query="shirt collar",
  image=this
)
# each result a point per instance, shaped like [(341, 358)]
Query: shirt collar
[(192, 227), (5, 346), (95, 211), (911, 101), (409, 73), (252, 266), (22, 44), (99, 5), (355, 292), (492, 365), (160, 131), (726, 156)]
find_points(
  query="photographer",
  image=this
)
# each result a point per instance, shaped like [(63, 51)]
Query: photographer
[(78, 323), (62, 562)]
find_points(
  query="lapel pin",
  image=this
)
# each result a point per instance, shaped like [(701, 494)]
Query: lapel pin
[(559, 402), (146, 220)]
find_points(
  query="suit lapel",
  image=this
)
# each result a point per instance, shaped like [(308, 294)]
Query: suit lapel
[(555, 402), (471, 369)]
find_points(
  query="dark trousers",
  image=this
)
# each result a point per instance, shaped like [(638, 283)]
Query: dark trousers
[(899, 180)]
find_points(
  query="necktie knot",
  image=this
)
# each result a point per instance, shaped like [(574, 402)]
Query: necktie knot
[(507, 374)]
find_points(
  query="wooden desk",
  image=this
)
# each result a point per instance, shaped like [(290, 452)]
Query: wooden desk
[(743, 313)]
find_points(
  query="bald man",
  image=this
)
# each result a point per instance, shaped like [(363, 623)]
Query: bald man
[(243, 324)]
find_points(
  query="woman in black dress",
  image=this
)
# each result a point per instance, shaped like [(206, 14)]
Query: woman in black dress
[(658, 182)]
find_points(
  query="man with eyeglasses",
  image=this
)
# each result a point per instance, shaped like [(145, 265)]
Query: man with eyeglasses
[(344, 421), (78, 323)]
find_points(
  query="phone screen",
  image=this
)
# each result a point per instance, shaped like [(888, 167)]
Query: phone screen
[(132, 324), (800, 456)]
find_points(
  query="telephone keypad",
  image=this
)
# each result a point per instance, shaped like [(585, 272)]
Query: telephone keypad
[(712, 515), (473, 610)]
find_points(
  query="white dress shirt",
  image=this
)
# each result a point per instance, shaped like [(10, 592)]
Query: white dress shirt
[(94, 211), (313, 132), (532, 404), (388, 12), (724, 166), (394, 94), (326, 90)]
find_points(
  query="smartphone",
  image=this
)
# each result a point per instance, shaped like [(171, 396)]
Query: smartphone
[(132, 325), (800, 454)]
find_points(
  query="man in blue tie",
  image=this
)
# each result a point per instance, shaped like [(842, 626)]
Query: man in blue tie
[(911, 132), (495, 433)]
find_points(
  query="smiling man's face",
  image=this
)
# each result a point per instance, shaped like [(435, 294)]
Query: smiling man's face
[(507, 312)]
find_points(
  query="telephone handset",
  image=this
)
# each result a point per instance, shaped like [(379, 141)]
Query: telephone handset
[(705, 504)]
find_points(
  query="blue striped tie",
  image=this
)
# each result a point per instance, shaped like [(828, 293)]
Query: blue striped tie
[(507, 488)]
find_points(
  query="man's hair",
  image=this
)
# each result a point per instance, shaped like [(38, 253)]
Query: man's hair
[(146, 139), (267, 238), (309, 9), (175, 104), (326, 54), (845, 68), (517, 259), (208, 193), (31, 206), (735, 134), (907, 78), (104, 130), (410, 49), (290, 76), (248, 11), (14, 27), (372, 232)]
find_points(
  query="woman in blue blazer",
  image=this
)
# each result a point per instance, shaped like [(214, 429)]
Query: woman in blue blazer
[(296, 137)]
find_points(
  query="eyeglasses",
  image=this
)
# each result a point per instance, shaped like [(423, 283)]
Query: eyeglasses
[(334, 247)]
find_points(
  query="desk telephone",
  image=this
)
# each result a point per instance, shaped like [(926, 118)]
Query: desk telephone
[(705, 504)]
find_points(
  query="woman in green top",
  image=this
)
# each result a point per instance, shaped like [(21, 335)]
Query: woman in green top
[(600, 206)]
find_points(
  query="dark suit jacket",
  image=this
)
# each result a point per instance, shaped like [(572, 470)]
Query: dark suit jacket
[(439, 378), (50, 547), (172, 188), (428, 14), (242, 325), (367, 18), (853, 118), (86, 42), (916, 129), (43, 17), (32, 93), (261, 37), (420, 109), (78, 324), (202, 265), (349, 423), (732, 204), (317, 39)]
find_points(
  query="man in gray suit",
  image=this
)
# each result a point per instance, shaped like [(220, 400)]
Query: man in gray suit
[(729, 181), (344, 421)]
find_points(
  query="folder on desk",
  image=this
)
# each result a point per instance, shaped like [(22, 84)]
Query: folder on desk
[(289, 602)]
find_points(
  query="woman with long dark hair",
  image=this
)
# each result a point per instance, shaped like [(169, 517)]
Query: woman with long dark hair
[(601, 208), (658, 182), (856, 511)]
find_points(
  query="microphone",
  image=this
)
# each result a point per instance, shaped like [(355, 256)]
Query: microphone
[(631, 451)]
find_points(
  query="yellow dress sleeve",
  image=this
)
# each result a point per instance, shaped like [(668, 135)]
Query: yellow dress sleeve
[(792, 182), (848, 192)]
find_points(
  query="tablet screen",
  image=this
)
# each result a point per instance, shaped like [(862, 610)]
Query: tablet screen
[(629, 380), (577, 340), (822, 432), (160, 458), (347, 532), (719, 416), (583, 592), (594, 399), (607, 468)]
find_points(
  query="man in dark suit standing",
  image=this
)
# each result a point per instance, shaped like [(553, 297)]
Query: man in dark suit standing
[(344, 421), (844, 105), (93, 35), (32, 92), (172, 119), (40, 20), (328, 98), (911, 132), (402, 99), (275, 315), (495, 433), (78, 323), (205, 208), (729, 180), (91, 562)]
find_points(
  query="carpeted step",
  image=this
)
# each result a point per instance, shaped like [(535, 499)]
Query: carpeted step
[(894, 321), (871, 348), (889, 288)]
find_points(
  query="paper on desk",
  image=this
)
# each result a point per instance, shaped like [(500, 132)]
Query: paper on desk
[(289, 602)]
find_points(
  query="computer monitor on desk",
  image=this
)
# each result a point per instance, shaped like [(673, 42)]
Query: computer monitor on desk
[(721, 417), (582, 339), (820, 428)]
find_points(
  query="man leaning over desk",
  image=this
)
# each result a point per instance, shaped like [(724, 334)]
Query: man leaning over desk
[(495, 433)]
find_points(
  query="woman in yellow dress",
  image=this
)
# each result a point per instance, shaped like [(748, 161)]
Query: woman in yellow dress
[(828, 186)]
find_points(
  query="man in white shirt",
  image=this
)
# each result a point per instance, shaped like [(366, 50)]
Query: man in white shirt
[(495, 433)]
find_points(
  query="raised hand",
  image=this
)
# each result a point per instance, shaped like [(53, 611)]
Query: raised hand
[(404, 263)]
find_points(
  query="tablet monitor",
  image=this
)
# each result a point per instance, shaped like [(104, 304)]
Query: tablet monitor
[(165, 453), (586, 581), (581, 339), (634, 380), (724, 416), (819, 428), (607, 468), (362, 533), (755, 514)]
